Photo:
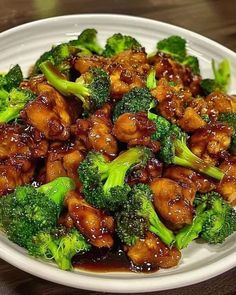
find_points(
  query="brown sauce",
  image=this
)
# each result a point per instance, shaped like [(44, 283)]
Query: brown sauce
[(107, 260)]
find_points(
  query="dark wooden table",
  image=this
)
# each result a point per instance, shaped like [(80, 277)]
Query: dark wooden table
[(212, 18)]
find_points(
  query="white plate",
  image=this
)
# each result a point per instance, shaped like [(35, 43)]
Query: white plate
[(23, 45)]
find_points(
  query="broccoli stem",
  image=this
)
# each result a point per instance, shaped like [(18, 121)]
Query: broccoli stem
[(116, 178), (60, 260), (57, 189), (9, 114), (4, 94), (191, 231), (184, 157), (65, 87), (120, 166), (163, 232)]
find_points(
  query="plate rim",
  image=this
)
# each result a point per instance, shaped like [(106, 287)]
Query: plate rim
[(81, 279)]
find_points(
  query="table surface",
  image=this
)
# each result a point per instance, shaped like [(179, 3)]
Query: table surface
[(212, 18)]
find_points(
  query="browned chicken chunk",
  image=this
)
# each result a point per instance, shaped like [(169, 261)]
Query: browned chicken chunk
[(63, 160), (227, 187), (127, 69), (172, 100), (210, 142), (96, 132), (189, 180), (151, 253), (135, 129), (170, 202), (172, 71), (94, 224), (49, 113), (19, 146), (14, 172)]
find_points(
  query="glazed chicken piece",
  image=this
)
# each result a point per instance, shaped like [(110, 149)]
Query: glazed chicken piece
[(14, 172), (94, 224), (19, 146), (151, 253), (126, 69), (84, 63), (189, 180), (48, 113), (221, 103), (172, 100), (172, 71), (21, 140), (227, 187), (96, 132), (147, 174), (135, 129), (211, 142), (191, 120), (214, 104), (170, 202), (63, 160)]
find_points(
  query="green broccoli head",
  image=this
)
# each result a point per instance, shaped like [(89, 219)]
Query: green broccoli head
[(9, 81), (134, 101), (13, 78), (104, 182), (16, 100), (59, 248), (139, 216), (193, 63), (13, 99), (175, 47), (29, 210), (92, 88), (229, 118), (88, 40), (119, 43), (174, 149), (214, 221), (221, 219), (61, 55), (221, 78)]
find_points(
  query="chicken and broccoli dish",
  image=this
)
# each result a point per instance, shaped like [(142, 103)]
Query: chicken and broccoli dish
[(115, 152)]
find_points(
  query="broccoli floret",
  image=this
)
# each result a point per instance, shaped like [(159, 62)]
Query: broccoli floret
[(12, 98), (118, 43), (229, 118), (175, 46), (15, 101), (92, 88), (61, 55), (60, 248), (46, 56), (214, 221), (193, 63), (29, 210), (139, 216), (104, 182), (9, 81), (13, 78), (88, 40), (174, 149), (136, 100), (221, 78), (151, 80)]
